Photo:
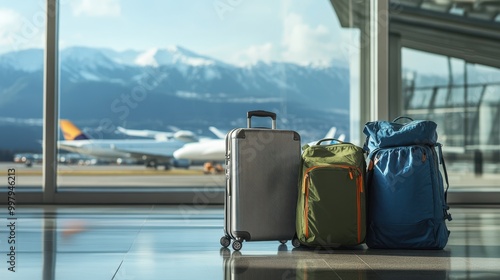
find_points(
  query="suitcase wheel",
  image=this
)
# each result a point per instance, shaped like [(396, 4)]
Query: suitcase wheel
[(225, 241), (237, 245), (283, 241), (295, 242)]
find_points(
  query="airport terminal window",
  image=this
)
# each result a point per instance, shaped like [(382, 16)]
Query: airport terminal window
[(174, 77), (22, 31), (464, 99)]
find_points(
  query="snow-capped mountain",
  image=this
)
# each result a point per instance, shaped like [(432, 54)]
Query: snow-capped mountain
[(174, 86), (172, 55), (102, 61), (29, 60), (32, 59), (176, 71)]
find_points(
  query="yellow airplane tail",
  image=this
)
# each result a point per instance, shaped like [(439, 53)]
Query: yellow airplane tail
[(71, 131)]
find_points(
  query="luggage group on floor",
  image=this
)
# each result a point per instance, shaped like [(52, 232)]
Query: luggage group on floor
[(389, 194)]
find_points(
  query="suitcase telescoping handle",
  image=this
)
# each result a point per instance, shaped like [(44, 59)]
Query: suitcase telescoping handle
[(261, 113)]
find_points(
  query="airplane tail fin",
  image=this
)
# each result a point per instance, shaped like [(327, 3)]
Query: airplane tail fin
[(71, 131), (331, 132), (217, 132)]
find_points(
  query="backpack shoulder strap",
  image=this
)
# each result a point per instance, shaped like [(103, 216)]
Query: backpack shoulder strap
[(445, 173)]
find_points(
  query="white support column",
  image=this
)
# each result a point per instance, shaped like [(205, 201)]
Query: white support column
[(379, 55), (50, 104), (396, 95)]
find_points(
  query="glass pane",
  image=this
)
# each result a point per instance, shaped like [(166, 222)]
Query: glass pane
[(474, 94), (456, 97), (467, 114), (176, 75), (420, 98), (492, 94), (22, 37)]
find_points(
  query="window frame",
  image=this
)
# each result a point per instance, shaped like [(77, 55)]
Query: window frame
[(380, 62)]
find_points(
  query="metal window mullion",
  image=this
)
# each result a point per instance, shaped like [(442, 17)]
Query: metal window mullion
[(379, 56), (50, 104), (396, 95), (361, 98)]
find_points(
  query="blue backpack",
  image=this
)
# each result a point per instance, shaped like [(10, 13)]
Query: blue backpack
[(406, 198)]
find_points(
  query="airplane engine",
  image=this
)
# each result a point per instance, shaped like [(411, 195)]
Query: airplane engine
[(181, 163)]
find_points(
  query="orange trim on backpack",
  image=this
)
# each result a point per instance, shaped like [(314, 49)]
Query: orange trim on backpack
[(359, 190), (359, 183), (305, 188)]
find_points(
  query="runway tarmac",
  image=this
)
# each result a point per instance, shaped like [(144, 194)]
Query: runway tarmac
[(137, 176), (128, 176)]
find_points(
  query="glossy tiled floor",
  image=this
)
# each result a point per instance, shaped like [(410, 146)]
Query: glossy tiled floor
[(182, 242)]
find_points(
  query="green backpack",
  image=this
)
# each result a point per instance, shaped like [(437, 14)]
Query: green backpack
[(331, 210)]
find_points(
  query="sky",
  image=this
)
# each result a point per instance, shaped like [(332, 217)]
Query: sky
[(239, 32), (234, 31)]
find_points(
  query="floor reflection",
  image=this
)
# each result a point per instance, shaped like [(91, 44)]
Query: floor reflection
[(168, 242), (49, 251)]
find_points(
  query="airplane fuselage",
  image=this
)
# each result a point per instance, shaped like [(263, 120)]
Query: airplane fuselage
[(209, 150), (121, 148)]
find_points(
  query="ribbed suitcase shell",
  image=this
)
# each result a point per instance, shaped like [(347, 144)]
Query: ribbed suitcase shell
[(261, 194)]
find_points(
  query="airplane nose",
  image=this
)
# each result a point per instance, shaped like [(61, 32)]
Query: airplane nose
[(181, 153)]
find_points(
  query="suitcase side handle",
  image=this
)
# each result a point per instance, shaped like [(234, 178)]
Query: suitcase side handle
[(261, 113)]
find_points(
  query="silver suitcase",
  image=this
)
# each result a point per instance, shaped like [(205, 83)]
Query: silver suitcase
[(261, 183)]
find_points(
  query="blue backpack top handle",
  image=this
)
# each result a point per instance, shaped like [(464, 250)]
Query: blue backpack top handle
[(384, 134)]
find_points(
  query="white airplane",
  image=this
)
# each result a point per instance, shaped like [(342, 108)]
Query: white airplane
[(215, 149), (203, 151), (153, 152)]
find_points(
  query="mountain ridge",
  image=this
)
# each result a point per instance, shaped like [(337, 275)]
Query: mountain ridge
[(184, 89)]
